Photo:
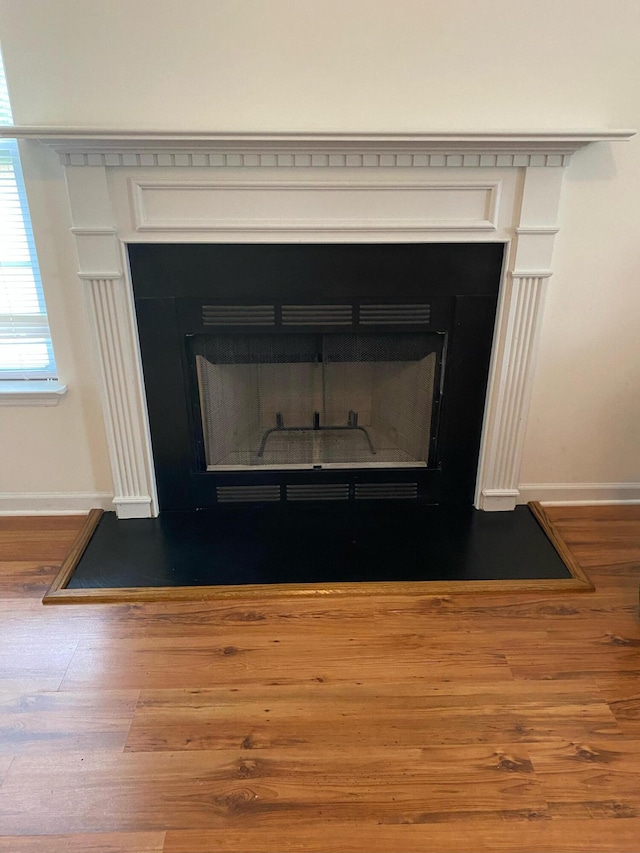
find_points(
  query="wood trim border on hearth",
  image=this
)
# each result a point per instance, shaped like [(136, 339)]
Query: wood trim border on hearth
[(59, 594), (564, 552), (75, 554)]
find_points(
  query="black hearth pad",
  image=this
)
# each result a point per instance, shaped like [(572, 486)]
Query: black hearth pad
[(317, 545)]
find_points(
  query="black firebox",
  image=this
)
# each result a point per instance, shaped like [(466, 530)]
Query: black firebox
[(298, 373)]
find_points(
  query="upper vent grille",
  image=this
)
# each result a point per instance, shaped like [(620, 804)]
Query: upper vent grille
[(387, 315), (317, 315), (238, 315)]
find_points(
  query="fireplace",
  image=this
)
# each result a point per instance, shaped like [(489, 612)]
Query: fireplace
[(131, 187), (317, 372)]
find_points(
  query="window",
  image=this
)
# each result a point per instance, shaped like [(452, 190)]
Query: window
[(25, 340)]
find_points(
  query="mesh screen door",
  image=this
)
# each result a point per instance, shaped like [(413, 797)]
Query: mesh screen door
[(317, 400)]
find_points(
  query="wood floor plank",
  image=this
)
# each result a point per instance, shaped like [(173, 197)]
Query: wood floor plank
[(52, 722), (30, 525), (39, 666), (594, 809), (24, 579), (494, 836), (24, 619), (561, 670), (38, 538), (621, 691), (591, 653), (112, 842), (268, 618), (153, 791), (325, 715), (594, 777), (507, 617), (5, 764), (287, 656), (601, 537), (624, 643), (596, 514)]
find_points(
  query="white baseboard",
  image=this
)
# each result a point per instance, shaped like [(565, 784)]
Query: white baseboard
[(53, 503), (498, 500), (562, 494), (139, 507), (559, 494)]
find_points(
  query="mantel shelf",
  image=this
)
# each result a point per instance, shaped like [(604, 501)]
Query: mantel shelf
[(124, 147)]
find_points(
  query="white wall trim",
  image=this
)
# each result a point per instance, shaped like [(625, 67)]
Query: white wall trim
[(532, 274), (53, 503), (138, 507), (93, 232), (498, 500), (538, 229), (31, 392), (560, 494), (107, 275)]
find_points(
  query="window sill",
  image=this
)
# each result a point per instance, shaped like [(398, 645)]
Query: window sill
[(31, 392)]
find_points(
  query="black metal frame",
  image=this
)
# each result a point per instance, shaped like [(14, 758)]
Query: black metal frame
[(199, 464), (172, 283)]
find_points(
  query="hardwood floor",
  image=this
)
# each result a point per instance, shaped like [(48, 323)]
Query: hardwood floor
[(449, 724)]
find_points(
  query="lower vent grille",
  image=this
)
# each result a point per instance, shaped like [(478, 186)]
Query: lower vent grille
[(247, 494), (238, 315), (318, 492), (386, 491), (387, 315)]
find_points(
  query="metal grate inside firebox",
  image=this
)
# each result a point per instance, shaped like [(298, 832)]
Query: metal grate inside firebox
[(317, 400)]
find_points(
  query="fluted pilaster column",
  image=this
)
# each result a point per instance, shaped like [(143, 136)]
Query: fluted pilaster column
[(124, 420), (517, 335), (112, 319), (525, 298)]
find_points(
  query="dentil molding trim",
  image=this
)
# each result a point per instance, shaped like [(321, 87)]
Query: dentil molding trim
[(79, 146)]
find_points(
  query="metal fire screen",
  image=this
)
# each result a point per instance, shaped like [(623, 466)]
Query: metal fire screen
[(316, 400)]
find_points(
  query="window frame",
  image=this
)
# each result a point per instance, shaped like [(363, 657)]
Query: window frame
[(39, 320), (26, 385)]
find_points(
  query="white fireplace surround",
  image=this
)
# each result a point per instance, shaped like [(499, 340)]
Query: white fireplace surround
[(146, 187)]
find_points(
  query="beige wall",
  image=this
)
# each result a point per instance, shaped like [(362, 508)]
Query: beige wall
[(63, 449), (352, 65), (584, 424)]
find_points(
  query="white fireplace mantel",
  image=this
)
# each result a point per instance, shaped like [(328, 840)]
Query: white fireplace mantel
[(132, 186)]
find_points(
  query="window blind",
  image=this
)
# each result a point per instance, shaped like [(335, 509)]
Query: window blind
[(25, 340)]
